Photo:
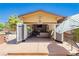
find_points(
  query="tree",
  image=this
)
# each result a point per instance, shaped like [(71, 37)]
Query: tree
[(13, 20), (2, 25)]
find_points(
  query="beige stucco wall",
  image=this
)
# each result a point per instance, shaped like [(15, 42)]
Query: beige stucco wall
[(51, 26), (39, 16)]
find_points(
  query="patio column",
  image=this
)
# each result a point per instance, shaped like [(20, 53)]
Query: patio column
[(25, 32), (54, 31), (62, 37)]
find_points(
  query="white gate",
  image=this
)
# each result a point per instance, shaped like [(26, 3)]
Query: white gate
[(21, 32), (59, 37)]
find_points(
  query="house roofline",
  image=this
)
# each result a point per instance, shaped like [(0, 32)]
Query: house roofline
[(40, 10)]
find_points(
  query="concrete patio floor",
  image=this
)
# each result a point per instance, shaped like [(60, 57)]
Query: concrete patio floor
[(35, 45), (32, 45)]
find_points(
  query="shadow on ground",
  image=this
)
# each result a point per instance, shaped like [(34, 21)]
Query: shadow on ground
[(12, 41), (37, 39), (55, 50)]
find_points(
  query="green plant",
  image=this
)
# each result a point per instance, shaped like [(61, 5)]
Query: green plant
[(76, 35), (2, 25), (29, 29)]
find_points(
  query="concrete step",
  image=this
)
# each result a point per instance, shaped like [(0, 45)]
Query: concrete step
[(30, 54), (43, 35)]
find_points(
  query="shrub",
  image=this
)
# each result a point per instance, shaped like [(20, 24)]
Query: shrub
[(76, 35), (2, 25)]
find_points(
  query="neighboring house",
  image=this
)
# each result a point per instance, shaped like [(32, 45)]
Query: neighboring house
[(45, 21)]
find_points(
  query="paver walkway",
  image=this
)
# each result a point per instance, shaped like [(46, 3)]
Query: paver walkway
[(32, 45), (35, 45)]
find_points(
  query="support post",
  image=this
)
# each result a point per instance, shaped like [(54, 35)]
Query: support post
[(25, 32), (54, 31), (62, 35)]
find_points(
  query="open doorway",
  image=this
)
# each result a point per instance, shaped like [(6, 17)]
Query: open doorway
[(40, 30)]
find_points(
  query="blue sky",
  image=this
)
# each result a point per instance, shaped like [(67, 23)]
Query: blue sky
[(63, 9)]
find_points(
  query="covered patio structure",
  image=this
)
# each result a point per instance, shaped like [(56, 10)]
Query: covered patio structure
[(41, 21)]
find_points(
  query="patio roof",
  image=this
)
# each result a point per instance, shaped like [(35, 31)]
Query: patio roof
[(40, 15)]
